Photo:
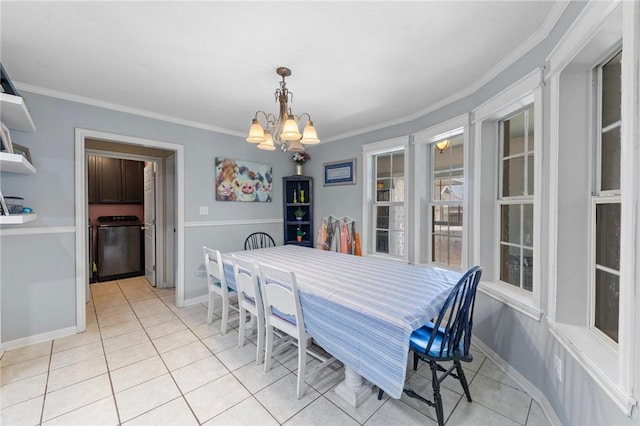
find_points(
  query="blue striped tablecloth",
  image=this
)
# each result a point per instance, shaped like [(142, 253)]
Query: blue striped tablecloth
[(361, 310)]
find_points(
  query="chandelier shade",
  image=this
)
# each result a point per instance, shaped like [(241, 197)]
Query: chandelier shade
[(442, 145), (282, 131)]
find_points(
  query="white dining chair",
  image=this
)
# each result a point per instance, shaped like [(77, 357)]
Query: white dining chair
[(217, 284), (283, 312), (249, 300)]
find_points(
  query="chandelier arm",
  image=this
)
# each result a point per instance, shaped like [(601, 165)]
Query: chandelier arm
[(266, 116)]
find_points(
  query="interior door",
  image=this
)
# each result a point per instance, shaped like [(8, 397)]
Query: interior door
[(150, 223)]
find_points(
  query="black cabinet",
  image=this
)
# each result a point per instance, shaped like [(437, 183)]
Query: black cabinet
[(298, 202), (115, 181)]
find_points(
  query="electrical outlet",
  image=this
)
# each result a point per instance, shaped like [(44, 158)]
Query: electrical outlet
[(204, 210), (558, 368)]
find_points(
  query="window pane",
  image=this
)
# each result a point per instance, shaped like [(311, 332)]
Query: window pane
[(610, 170), (510, 224), (396, 243), (513, 177), (611, 96), (608, 235), (527, 225), (398, 164), (397, 189), (382, 241), (527, 269), (382, 213), (607, 303), (382, 191), (513, 130), (530, 139), (530, 174), (455, 249), (383, 166), (396, 217), (510, 265), (440, 252), (447, 235)]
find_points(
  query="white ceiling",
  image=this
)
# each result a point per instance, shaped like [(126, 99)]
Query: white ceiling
[(356, 66)]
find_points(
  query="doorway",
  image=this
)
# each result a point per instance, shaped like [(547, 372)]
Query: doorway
[(169, 186)]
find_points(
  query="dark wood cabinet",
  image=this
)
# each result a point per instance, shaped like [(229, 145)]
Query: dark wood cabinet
[(298, 200), (115, 181), (132, 182)]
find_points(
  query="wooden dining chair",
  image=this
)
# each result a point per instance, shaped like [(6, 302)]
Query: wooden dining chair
[(217, 284), (447, 339), (283, 312), (258, 240), (249, 300)]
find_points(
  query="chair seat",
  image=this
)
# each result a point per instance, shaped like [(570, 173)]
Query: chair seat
[(420, 339)]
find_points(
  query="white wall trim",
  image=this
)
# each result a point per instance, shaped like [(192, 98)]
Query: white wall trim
[(231, 222), (510, 99), (37, 338), (440, 130), (196, 300), (529, 387), (43, 230), (591, 18)]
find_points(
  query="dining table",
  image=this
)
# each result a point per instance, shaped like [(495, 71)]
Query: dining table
[(360, 309)]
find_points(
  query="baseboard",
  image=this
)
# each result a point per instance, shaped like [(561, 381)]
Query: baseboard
[(529, 387), (37, 338), (196, 300)]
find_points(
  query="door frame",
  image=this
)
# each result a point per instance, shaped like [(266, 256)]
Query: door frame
[(81, 212)]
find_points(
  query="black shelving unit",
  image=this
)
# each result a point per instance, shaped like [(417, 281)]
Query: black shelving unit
[(298, 194)]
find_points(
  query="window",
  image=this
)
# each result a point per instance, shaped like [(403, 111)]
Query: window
[(506, 204), (388, 206), (606, 200), (385, 198), (446, 201), (515, 199), (592, 277)]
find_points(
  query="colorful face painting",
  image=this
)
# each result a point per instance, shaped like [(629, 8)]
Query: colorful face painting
[(238, 180)]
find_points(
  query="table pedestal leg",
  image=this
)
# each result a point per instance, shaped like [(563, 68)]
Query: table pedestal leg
[(353, 389)]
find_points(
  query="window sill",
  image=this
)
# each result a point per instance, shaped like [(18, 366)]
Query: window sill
[(514, 298), (599, 360)]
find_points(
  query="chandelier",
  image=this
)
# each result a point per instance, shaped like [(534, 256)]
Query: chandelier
[(282, 130)]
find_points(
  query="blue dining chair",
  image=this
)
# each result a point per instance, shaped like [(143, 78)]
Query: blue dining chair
[(447, 339)]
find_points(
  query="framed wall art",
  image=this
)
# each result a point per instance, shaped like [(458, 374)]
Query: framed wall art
[(238, 180), (22, 150), (340, 172)]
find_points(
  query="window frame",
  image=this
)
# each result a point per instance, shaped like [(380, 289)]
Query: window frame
[(422, 142), (523, 93), (596, 28), (370, 152)]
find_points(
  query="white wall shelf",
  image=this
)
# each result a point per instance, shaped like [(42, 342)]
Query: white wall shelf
[(15, 163), (14, 113), (16, 219)]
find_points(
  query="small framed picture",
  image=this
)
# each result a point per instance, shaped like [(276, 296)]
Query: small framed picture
[(22, 150), (340, 172), (5, 139)]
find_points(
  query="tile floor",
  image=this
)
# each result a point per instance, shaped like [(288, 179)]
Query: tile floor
[(142, 361)]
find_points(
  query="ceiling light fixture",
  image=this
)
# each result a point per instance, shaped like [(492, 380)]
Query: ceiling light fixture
[(442, 145), (282, 131)]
